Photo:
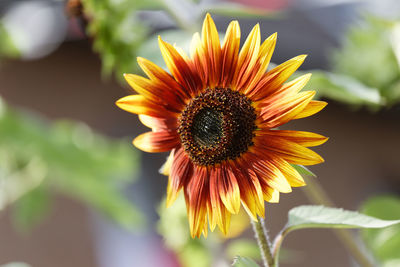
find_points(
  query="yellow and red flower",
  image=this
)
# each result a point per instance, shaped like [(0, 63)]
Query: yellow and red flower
[(218, 113)]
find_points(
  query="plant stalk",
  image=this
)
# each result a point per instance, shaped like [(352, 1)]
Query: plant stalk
[(264, 244), (317, 195)]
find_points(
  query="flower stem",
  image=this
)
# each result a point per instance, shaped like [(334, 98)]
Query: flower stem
[(263, 241), (317, 195)]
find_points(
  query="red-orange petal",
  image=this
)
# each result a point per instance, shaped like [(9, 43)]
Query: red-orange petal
[(248, 57), (279, 75), (161, 141), (218, 209), (212, 51), (138, 104), (254, 75), (164, 79), (290, 173), (181, 171), (180, 69), (250, 189), (230, 50), (269, 173), (199, 59), (290, 88), (157, 124), (306, 139), (280, 112), (196, 195), (228, 188), (288, 150)]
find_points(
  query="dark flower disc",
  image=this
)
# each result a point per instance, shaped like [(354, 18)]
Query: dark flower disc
[(217, 125)]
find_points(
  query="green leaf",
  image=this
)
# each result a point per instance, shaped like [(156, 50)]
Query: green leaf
[(375, 38), (31, 208), (303, 170), (343, 88), (324, 217), (68, 158), (384, 243), (244, 262)]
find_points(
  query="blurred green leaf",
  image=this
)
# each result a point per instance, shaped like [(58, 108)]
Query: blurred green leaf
[(117, 31), (237, 10), (391, 263), (384, 243), (343, 88), (191, 252), (309, 216), (246, 248), (31, 208), (7, 46), (244, 262), (15, 264), (67, 157), (368, 56)]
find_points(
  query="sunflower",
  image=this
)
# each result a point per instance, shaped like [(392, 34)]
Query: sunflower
[(218, 113)]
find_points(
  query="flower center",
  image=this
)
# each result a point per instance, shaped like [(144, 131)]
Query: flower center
[(217, 125)]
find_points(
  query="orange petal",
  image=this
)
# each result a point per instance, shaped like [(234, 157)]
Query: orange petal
[(229, 191), (271, 195), (293, 177), (198, 58), (313, 107), (219, 211), (138, 104), (154, 92), (212, 50), (181, 170), (306, 139), (280, 112), (157, 124), (179, 68), (163, 78), (157, 141), (280, 74), (248, 56), (272, 176), (250, 190), (290, 151), (230, 50), (264, 57), (196, 196)]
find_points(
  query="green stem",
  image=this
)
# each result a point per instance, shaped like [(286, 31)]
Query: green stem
[(317, 195), (276, 246), (263, 242)]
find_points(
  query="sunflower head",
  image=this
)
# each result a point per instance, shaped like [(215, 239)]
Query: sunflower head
[(217, 112)]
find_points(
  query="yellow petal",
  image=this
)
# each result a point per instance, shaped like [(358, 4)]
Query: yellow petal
[(307, 139), (264, 57), (230, 50), (212, 49), (248, 55), (311, 108), (138, 104)]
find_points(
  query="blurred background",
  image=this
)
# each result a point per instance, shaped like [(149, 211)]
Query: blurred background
[(75, 192)]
